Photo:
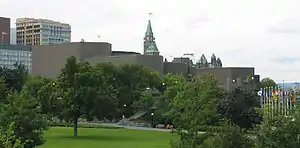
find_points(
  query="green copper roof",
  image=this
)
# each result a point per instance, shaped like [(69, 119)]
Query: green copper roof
[(149, 28), (152, 48)]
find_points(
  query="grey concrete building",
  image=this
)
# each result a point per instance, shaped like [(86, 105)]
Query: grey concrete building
[(4, 30), (12, 54), (49, 59)]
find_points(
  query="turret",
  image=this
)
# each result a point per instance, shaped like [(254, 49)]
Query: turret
[(219, 62), (150, 47), (213, 61), (202, 63)]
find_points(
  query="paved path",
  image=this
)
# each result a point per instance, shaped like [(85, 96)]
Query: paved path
[(136, 128)]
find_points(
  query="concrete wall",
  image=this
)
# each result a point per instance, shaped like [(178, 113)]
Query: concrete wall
[(152, 62), (175, 68), (94, 49), (5, 27), (48, 60), (232, 77)]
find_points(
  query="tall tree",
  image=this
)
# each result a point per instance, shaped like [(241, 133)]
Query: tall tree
[(86, 91), (267, 82), (240, 107), (132, 81), (196, 107)]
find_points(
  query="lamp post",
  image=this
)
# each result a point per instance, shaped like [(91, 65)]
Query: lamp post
[(123, 116), (152, 119)]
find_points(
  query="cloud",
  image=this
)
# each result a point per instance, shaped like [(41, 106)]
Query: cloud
[(286, 26), (287, 60), (198, 22)]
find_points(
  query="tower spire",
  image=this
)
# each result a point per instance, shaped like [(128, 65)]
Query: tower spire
[(149, 40)]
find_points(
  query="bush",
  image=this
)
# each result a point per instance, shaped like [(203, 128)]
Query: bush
[(29, 125), (8, 138)]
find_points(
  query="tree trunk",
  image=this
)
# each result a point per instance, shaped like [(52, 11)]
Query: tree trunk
[(75, 126)]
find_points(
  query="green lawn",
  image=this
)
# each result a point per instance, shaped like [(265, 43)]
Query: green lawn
[(61, 137)]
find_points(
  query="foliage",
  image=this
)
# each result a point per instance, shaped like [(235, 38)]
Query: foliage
[(28, 124), (195, 102), (131, 82), (8, 138), (267, 82), (231, 137), (280, 131), (14, 78), (240, 107)]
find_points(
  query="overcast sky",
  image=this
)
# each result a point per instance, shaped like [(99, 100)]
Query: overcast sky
[(260, 33)]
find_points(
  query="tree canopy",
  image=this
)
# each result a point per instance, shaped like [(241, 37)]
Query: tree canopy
[(267, 82)]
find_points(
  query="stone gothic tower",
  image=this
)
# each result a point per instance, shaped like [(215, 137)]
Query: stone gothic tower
[(150, 47)]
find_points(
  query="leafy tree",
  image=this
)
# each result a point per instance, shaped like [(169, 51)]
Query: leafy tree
[(267, 82), (280, 131), (196, 107), (28, 124), (14, 78), (34, 84), (132, 81), (8, 138), (232, 136), (50, 99), (86, 92), (240, 107)]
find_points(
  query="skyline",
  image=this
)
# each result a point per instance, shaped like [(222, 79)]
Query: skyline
[(258, 33)]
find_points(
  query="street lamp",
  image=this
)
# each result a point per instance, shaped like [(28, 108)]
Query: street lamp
[(123, 116), (152, 119)]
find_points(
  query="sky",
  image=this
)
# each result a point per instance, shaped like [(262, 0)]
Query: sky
[(264, 34)]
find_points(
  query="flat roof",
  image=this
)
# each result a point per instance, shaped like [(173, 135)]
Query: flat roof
[(16, 47)]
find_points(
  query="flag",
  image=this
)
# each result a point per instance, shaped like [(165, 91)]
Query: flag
[(4, 33), (292, 96), (275, 95)]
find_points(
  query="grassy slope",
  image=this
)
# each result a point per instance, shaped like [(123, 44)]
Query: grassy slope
[(61, 137)]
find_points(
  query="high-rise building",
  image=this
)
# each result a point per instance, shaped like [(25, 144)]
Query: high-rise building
[(13, 54), (4, 30), (32, 31), (13, 36)]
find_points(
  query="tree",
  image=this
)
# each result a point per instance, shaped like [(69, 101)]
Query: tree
[(86, 92), (33, 85), (8, 138), (28, 124), (232, 136), (240, 107), (279, 131), (131, 82), (196, 107), (14, 78), (267, 82)]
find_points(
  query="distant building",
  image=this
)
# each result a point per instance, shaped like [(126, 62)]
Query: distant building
[(12, 54), (4, 30), (13, 36), (214, 62), (228, 77), (32, 31)]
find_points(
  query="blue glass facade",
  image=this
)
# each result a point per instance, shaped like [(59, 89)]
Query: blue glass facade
[(12, 54)]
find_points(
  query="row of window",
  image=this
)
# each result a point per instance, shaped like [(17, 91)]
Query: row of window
[(15, 54)]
